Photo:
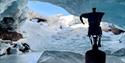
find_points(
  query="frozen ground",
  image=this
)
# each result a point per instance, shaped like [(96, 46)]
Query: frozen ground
[(53, 57), (22, 58), (70, 57)]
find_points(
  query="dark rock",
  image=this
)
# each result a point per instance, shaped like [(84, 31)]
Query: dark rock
[(117, 31), (7, 24), (13, 36), (26, 48), (40, 20)]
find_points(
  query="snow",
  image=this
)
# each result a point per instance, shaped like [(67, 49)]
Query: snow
[(71, 37)]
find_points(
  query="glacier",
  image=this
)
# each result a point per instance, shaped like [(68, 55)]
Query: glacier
[(39, 36)]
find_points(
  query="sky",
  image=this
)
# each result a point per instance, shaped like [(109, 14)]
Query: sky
[(46, 8)]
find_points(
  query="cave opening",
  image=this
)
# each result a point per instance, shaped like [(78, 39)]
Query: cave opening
[(46, 9)]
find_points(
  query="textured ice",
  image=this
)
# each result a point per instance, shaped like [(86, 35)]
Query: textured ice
[(69, 57), (15, 9), (52, 57), (22, 58)]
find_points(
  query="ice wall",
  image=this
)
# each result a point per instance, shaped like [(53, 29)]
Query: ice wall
[(114, 9), (15, 9)]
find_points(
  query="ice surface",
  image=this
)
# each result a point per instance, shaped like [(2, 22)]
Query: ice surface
[(60, 57), (22, 58), (70, 57)]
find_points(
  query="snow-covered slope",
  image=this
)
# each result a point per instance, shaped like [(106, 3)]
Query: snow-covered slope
[(65, 36), (58, 34)]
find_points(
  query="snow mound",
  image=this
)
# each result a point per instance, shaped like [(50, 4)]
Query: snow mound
[(69, 57)]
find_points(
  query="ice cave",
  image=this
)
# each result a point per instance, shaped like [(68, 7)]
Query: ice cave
[(27, 36)]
